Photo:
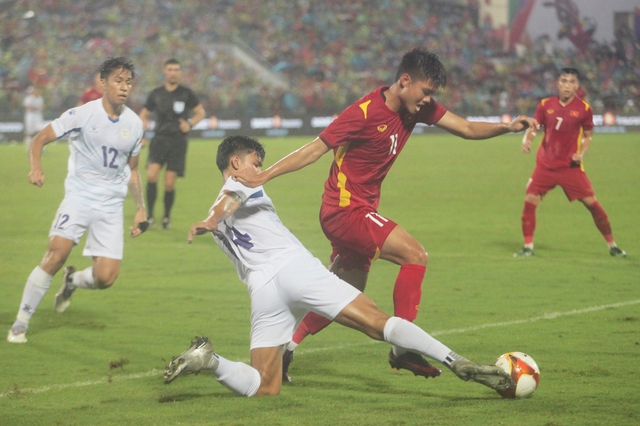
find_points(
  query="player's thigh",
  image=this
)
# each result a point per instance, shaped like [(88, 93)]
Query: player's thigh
[(305, 284), (177, 158), (105, 236), (541, 182), (402, 248), (158, 151), (356, 234), (273, 321), (576, 184), (268, 362)]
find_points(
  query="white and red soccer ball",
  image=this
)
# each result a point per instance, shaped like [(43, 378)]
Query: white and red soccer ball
[(523, 370)]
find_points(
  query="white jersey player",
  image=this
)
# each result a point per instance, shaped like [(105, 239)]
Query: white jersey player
[(285, 282), (104, 141), (33, 120)]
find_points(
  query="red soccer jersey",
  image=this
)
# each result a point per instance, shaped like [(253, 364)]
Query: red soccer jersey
[(90, 95), (366, 139), (563, 130)]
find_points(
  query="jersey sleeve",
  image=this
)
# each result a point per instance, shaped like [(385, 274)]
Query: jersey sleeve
[(244, 192), (587, 120), (150, 105), (193, 100), (431, 113), (69, 121), (344, 128)]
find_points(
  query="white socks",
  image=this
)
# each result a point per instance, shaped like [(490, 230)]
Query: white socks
[(235, 376), (34, 290), (84, 279), (412, 338)]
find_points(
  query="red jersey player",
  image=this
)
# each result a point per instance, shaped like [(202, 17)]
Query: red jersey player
[(93, 93), (568, 128), (366, 139)]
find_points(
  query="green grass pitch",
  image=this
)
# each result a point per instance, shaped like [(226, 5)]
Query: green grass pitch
[(572, 307)]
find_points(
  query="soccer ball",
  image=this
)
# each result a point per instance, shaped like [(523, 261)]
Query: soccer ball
[(523, 370)]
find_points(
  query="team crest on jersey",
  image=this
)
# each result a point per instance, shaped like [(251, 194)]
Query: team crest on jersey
[(382, 128), (574, 113), (178, 107), (124, 133), (549, 111)]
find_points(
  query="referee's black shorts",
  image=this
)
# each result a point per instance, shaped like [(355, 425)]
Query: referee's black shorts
[(171, 151)]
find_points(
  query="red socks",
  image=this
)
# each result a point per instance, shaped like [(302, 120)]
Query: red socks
[(601, 220), (311, 324), (528, 221), (408, 291)]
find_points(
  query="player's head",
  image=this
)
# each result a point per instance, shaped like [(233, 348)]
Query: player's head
[(172, 70), (116, 79), (420, 64), (570, 71), (112, 65), (568, 83), (419, 76), (237, 146)]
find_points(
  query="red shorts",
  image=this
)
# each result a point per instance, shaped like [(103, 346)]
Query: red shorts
[(357, 234), (573, 181)]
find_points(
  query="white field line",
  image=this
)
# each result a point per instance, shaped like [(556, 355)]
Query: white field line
[(157, 372)]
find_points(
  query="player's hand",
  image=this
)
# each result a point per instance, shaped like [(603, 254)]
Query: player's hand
[(36, 177), (522, 122), (249, 177), (144, 142), (200, 228), (140, 223), (185, 127)]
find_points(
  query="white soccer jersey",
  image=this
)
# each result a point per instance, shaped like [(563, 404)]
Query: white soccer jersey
[(254, 238), (33, 119), (98, 169)]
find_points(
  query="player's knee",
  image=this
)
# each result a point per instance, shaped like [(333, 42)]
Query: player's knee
[(104, 281), (269, 389)]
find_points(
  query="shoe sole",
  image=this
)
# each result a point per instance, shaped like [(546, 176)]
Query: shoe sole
[(61, 304), (433, 371)]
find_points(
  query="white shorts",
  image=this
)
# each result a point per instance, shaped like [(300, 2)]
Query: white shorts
[(303, 285), (106, 230)]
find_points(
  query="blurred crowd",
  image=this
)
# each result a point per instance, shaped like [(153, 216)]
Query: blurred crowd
[(329, 52)]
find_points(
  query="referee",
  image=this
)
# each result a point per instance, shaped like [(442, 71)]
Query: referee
[(177, 109)]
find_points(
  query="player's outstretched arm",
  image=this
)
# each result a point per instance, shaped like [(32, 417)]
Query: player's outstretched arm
[(140, 223), (43, 137), (227, 203), (527, 140), (466, 129), (584, 146), (302, 157)]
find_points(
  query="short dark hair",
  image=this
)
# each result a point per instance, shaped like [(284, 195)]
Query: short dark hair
[(237, 145), (172, 61), (421, 64), (113, 64), (569, 70)]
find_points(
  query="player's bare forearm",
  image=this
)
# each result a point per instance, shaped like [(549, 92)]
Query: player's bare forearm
[(43, 137), (226, 203), (477, 130), (302, 157), (584, 146), (527, 140), (140, 223), (198, 114)]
